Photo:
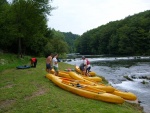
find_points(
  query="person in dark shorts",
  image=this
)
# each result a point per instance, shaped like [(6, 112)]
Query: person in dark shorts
[(49, 63), (86, 66)]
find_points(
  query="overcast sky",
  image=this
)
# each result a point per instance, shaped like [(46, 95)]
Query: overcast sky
[(79, 16)]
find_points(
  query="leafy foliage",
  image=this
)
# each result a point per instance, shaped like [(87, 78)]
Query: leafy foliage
[(23, 30), (23, 25), (130, 36), (70, 38)]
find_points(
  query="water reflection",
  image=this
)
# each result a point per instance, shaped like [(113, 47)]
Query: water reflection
[(114, 69)]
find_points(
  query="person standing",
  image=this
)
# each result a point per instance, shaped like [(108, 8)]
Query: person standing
[(55, 64), (87, 66), (49, 63)]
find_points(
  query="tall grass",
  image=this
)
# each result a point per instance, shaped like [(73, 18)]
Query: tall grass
[(28, 91), (8, 61)]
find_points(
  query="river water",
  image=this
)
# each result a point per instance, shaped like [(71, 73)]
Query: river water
[(115, 68)]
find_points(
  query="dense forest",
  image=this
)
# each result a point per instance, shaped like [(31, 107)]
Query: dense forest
[(24, 30), (70, 39), (129, 36)]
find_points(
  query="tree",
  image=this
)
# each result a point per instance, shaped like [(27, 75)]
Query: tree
[(24, 22), (129, 36), (70, 39), (7, 30), (58, 42), (55, 42)]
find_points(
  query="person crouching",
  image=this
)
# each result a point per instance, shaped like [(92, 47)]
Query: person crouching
[(33, 62)]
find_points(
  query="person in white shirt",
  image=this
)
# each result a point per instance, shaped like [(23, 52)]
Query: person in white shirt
[(87, 66), (55, 64)]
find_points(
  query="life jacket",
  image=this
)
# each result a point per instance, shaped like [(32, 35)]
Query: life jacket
[(87, 61), (33, 59)]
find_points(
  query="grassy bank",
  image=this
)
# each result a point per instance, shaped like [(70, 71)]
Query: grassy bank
[(28, 91)]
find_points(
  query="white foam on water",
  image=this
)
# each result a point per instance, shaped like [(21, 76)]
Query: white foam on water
[(138, 88), (132, 86)]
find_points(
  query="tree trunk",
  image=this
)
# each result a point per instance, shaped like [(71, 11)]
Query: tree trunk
[(19, 48)]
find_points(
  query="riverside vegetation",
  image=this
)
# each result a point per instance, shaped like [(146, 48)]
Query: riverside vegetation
[(28, 91)]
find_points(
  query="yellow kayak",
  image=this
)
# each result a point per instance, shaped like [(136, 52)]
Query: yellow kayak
[(85, 92), (94, 79), (79, 71), (104, 87), (61, 73), (125, 95), (65, 74), (77, 83)]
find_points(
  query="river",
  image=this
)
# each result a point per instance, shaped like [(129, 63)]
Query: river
[(115, 68)]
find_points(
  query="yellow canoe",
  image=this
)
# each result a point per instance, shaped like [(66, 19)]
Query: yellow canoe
[(79, 71), (61, 73), (78, 77), (125, 95), (94, 79), (79, 84), (104, 87), (106, 97), (65, 74)]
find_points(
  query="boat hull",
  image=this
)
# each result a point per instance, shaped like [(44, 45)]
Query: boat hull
[(125, 95), (106, 88), (107, 97)]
